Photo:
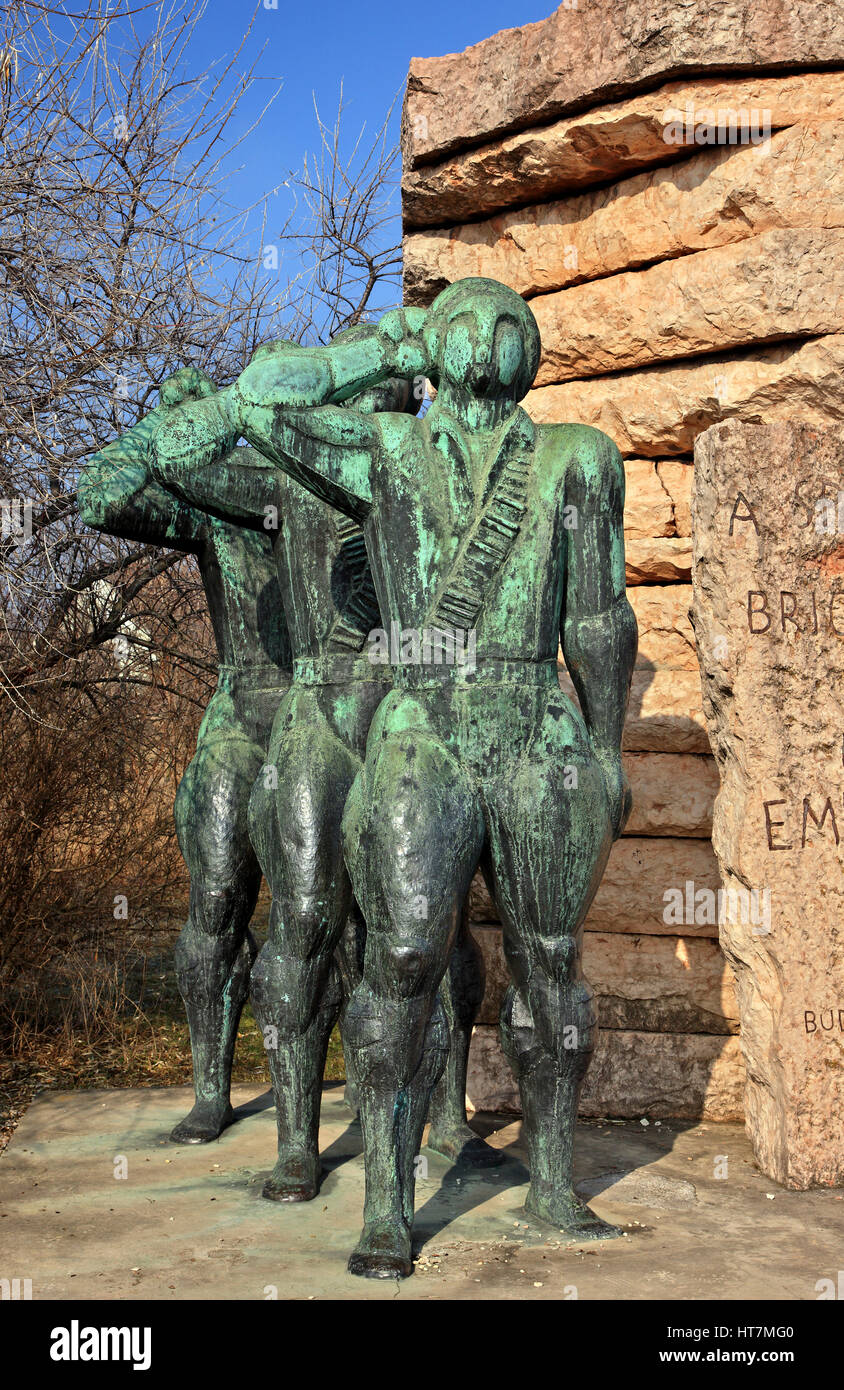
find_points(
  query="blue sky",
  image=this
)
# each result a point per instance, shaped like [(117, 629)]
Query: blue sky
[(313, 45)]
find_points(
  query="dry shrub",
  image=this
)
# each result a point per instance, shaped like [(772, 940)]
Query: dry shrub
[(91, 860)]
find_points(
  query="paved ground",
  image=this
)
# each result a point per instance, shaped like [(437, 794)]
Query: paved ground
[(191, 1223)]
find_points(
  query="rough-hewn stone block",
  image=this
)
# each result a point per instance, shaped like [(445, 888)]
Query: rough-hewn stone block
[(655, 1075), (666, 636), (782, 284), (657, 501), (673, 794), (676, 478), (795, 179), (649, 508), (600, 51), (659, 560), (665, 714), (650, 984), (660, 410)]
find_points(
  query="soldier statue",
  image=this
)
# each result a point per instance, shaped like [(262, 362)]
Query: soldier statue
[(478, 520)]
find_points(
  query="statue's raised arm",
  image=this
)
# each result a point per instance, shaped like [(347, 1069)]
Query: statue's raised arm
[(118, 494), (286, 404)]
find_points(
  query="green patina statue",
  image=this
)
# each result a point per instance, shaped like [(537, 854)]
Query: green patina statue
[(215, 951), (317, 587), (476, 521)]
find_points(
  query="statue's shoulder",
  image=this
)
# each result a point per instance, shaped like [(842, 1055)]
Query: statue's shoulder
[(579, 453)]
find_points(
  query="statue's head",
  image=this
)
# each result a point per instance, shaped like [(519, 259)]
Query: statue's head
[(482, 336), (264, 349), (395, 394)]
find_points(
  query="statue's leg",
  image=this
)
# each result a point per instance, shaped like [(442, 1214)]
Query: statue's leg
[(413, 833), (215, 951), (462, 992), (295, 988), (549, 843), (349, 962)]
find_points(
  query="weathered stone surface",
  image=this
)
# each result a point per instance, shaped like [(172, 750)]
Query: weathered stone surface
[(657, 984), (640, 873), (657, 1075), (643, 1189), (657, 521), (666, 636), (665, 713), (785, 283), (601, 51), (648, 504), (673, 793), (772, 693), (650, 984), (660, 410), (636, 891), (795, 179), (676, 478), (658, 560)]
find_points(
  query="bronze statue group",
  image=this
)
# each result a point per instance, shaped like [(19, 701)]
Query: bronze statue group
[(322, 510)]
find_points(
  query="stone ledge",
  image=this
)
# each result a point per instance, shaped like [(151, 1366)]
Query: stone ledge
[(647, 984), (658, 1076), (792, 180), (603, 50)]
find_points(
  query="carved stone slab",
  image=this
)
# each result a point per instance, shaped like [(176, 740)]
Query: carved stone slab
[(768, 522)]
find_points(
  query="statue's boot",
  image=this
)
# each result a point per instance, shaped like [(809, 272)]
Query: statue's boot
[(297, 1043), (462, 992), (213, 977), (550, 1081), (399, 1055)]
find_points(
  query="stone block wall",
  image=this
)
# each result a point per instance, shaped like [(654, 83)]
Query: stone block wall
[(665, 185)]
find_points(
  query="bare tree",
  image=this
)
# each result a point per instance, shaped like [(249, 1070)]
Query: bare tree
[(116, 267), (351, 257), (121, 261)]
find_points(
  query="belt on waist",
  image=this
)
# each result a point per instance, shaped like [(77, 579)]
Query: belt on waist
[(257, 677), (490, 671), (339, 668)]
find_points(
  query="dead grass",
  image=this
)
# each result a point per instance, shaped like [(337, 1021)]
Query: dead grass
[(111, 1016)]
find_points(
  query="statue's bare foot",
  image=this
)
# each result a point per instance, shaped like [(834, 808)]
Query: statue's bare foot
[(565, 1210), (383, 1252), (205, 1122), (295, 1178), (462, 1145)]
